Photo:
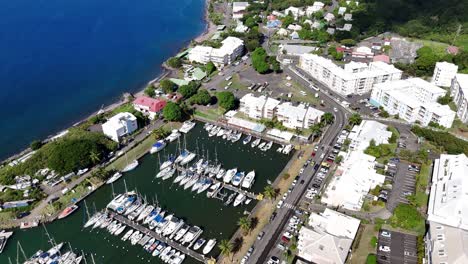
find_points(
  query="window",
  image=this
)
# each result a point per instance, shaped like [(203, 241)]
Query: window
[(321, 247), (439, 227)]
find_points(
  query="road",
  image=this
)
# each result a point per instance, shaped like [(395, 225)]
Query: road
[(273, 230)]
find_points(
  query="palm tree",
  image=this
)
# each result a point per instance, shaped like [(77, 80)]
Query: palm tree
[(94, 156), (355, 119), (245, 224), (315, 130), (269, 192), (328, 118), (226, 247)]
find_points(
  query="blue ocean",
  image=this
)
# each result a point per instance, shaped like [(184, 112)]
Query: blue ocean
[(61, 60)]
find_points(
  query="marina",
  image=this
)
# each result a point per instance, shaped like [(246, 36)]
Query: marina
[(195, 208)]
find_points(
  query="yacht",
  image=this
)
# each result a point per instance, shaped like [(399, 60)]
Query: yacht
[(206, 184), (262, 145), (137, 212), (255, 143), (249, 180), (230, 199), (4, 238), (227, 134), (152, 215), (191, 235), (158, 146), (161, 247), (173, 225), (173, 136), (162, 173), (280, 149), (220, 173), (182, 231), (268, 145), (214, 171), (147, 211), (68, 211), (114, 177), (213, 189), (221, 132), (91, 221), (287, 149), (229, 174), (191, 182), (200, 242), (236, 137), (214, 131), (167, 163), (239, 199), (120, 230), (131, 166), (169, 174), (127, 235), (187, 126), (188, 158), (237, 179), (209, 246), (247, 140), (198, 184), (136, 238)]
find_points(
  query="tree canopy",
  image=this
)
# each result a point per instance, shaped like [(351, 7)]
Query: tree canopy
[(174, 62), (259, 62), (172, 112), (149, 91), (226, 100), (167, 86), (202, 97), (189, 90)]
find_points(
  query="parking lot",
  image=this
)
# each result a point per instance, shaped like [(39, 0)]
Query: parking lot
[(395, 247), (404, 184)]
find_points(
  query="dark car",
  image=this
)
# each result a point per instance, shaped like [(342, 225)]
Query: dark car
[(22, 214), (273, 216), (316, 166), (316, 186), (301, 182)]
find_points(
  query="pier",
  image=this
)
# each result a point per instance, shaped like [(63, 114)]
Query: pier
[(147, 231), (230, 187)]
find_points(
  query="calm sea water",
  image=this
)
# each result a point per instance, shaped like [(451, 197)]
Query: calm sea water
[(217, 220), (61, 60)]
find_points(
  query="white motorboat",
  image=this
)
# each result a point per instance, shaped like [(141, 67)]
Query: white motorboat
[(187, 126), (188, 158), (200, 242), (179, 259), (238, 177), (114, 177), (262, 145), (220, 132), (236, 137), (131, 166), (191, 182), (173, 136), (229, 174), (255, 143), (192, 234), (208, 126), (249, 180), (169, 174), (247, 140), (209, 246), (173, 226), (268, 145), (91, 221), (182, 231), (287, 149), (220, 173), (280, 149), (128, 235), (163, 172), (147, 211), (214, 131), (137, 212), (247, 201), (120, 230), (182, 156), (158, 146), (136, 238), (239, 199), (206, 184), (167, 163), (227, 134), (213, 189)]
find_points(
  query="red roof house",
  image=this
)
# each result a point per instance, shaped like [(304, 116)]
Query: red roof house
[(148, 105), (382, 58)]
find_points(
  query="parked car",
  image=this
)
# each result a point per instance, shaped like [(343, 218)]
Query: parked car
[(384, 248), (386, 234), (260, 235)]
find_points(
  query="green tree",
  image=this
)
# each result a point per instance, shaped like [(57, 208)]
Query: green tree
[(172, 112), (327, 118), (189, 90), (149, 91), (245, 223), (445, 100), (269, 192), (287, 20), (210, 68), (174, 62), (202, 97), (250, 22), (167, 86), (252, 44), (226, 100), (348, 42), (95, 156), (36, 144), (226, 247), (160, 133), (101, 173), (275, 65), (355, 119), (259, 63)]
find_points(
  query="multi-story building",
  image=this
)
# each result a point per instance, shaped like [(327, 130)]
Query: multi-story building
[(291, 116), (459, 93), (444, 73), (149, 106), (327, 237), (238, 9), (258, 107), (355, 78), (413, 100), (120, 125), (231, 49), (447, 237), (317, 6)]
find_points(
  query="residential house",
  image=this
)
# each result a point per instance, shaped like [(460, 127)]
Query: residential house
[(317, 6), (238, 9), (120, 125), (149, 106), (294, 11)]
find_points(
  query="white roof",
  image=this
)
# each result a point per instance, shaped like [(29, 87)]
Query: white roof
[(246, 124), (328, 237), (446, 66), (293, 112), (361, 135), (240, 4), (283, 135), (462, 80), (449, 192), (341, 10), (116, 120)]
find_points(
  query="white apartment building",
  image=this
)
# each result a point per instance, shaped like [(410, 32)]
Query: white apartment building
[(291, 116), (361, 135), (258, 107), (297, 116), (231, 49), (355, 78), (444, 73), (238, 9), (295, 11), (327, 238), (413, 100), (317, 6), (459, 93), (447, 238), (120, 125)]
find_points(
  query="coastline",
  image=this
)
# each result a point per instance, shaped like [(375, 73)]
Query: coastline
[(210, 28)]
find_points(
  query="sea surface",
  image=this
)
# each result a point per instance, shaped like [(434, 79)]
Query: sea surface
[(217, 221), (63, 60)]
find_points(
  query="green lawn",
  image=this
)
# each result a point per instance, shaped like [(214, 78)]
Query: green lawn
[(236, 83), (422, 180), (297, 94), (437, 47), (210, 114)]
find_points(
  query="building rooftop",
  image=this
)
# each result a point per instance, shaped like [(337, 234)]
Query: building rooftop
[(154, 105), (449, 191), (462, 80), (368, 130)]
